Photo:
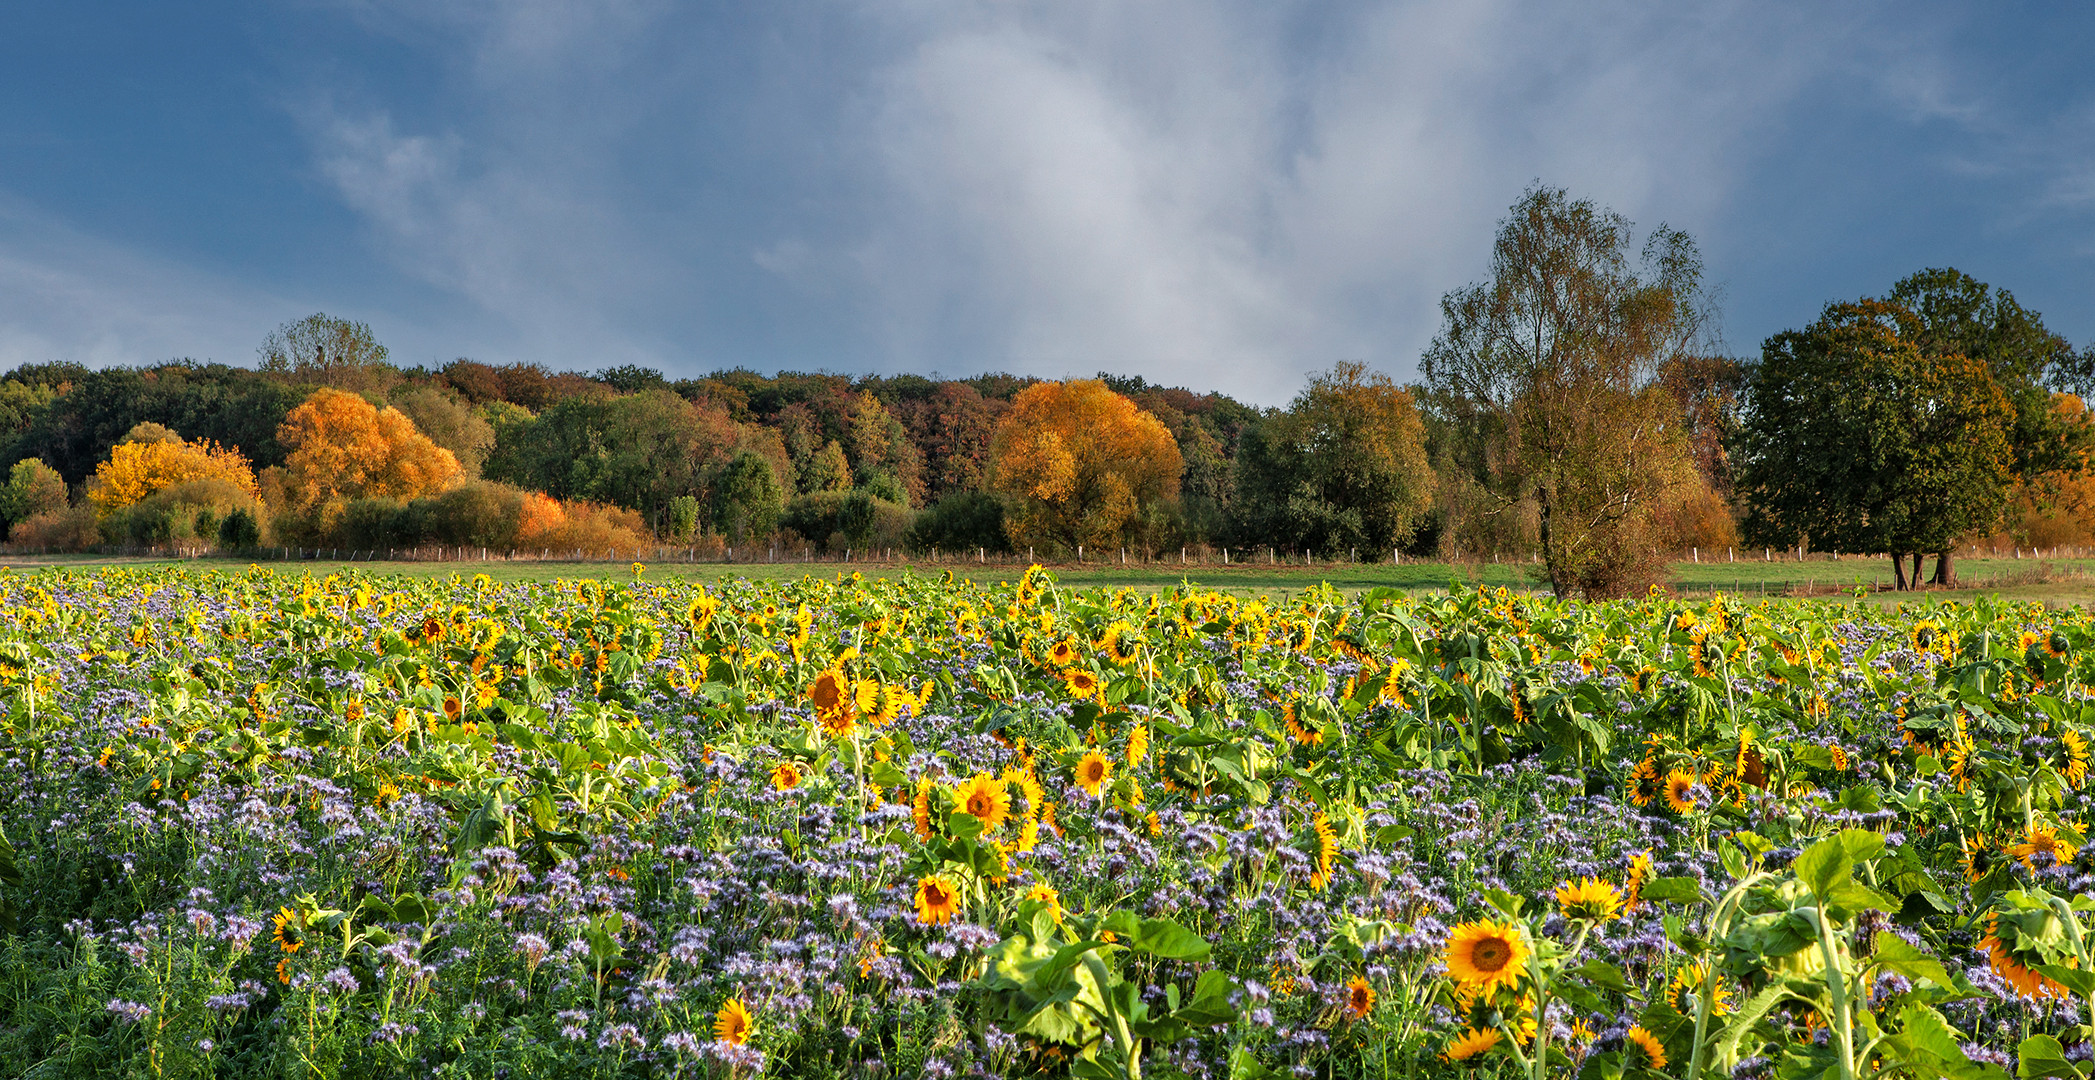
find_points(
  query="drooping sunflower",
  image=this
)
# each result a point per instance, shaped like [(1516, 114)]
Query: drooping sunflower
[(2028, 983), (1591, 899), (1138, 745), (1471, 1043), (1690, 980), (2056, 644), (1121, 644), (1360, 998), (1640, 680), (1680, 791), (1752, 765), (785, 776), (1648, 1045), (1297, 730), (1327, 851), (986, 799), (732, 1024), (1485, 955), (1093, 772), (1047, 896), (937, 900), (2042, 840), (1979, 858)]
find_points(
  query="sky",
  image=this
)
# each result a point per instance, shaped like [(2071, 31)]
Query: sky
[(1218, 194)]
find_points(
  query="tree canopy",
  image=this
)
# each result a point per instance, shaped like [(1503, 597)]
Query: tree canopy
[(1082, 464), (1344, 466)]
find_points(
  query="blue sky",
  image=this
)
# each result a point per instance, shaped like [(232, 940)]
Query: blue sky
[(1218, 194)]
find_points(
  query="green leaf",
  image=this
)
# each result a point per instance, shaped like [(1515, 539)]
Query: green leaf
[(1162, 937), (1672, 890), (2041, 1055), (1895, 955), (1823, 866)]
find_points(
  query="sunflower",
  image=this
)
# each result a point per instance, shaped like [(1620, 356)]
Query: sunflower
[(1471, 1043), (1121, 644), (1081, 684), (731, 1024), (1680, 789), (1486, 955), (2042, 840), (1979, 857), (1591, 899), (937, 900), (1307, 736), (1956, 760), (288, 924), (1644, 782), (1327, 851), (2056, 645), (1655, 1055), (1062, 653), (1138, 745), (2073, 748), (1049, 898), (921, 808), (985, 798), (1691, 979), (2009, 967), (1360, 998), (1640, 681), (1924, 635), (1093, 772), (830, 693), (785, 776), (1633, 882)]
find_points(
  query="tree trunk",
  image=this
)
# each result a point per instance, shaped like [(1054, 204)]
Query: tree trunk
[(1898, 571), (1945, 570)]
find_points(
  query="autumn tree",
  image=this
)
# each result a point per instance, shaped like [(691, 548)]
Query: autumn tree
[(1547, 377), (880, 445), (1954, 314), (449, 423), (2056, 506), (638, 451), (343, 448), (323, 350), (1859, 440), (1344, 466), (152, 458), (1082, 464)]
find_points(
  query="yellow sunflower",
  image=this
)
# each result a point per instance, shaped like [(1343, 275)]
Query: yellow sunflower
[(2073, 751), (2042, 840), (1080, 683), (1644, 782), (1633, 882), (1360, 998), (985, 798), (1979, 858), (1680, 785), (1690, 980), (731, 1024), (1093, 772), (288, 924), (1471, 1043), (1062, 653), (1654, 1054), (1591, 899), (785, 776), (1047, 895), (937, 900), (1485, 955), (1121, 644)]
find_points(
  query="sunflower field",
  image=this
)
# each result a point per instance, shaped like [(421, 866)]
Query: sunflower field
[(270, 825)]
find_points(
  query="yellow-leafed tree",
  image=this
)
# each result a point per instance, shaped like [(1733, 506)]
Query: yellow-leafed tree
[(1083, 464), (342, 448), (152, 458)]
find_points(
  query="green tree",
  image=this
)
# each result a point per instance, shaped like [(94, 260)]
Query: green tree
[(32, 488), (1547, 374), (638, 451), (1859, 440), (449, 423), (325, 351), (1343, 467), (1957, 315), (747, 498)]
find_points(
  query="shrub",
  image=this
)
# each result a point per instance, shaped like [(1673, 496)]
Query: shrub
[(973, 519), (834, 519), (73, 529), (240, 531)]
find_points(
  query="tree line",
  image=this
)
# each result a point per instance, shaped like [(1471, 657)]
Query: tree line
[(1574, 407)]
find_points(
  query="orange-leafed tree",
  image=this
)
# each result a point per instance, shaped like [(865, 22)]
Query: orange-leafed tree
[(1083, 465), (342, 448), (152, 458)]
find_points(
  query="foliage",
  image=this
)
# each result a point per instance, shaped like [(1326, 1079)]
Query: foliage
[(1081, 464), (962, 522), (747, 499), (152, 458), (343, 448), (76, 528), (240, 531), (1549, 371), (32, 488), (321, 350), (639, 451), (449, 423), (1862, 441), (1343, 468), (189, 511), (835, 520)]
